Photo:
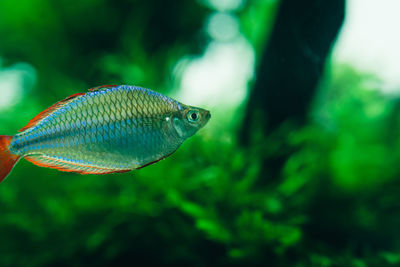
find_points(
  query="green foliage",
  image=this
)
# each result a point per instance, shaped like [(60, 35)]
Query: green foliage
[(213, 202)]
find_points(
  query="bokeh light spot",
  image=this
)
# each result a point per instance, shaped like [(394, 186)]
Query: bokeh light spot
[(14, 81), (368, 42), (223, 26), (220, 77), (226, 5)]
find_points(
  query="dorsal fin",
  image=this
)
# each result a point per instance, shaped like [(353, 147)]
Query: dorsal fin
[(102, 88), (50, 110)]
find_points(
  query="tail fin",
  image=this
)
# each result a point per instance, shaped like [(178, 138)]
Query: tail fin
[(7, 160)]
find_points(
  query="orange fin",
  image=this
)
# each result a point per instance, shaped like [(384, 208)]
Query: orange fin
[(102, 88), (69, 166), (7, 160), (50, 110)]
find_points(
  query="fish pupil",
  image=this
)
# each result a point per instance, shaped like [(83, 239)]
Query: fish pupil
[(194, 116)]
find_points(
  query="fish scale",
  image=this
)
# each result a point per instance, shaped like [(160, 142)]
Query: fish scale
[(108, 129)]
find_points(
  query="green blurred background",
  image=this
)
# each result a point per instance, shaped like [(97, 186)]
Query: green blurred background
[(297, 167)]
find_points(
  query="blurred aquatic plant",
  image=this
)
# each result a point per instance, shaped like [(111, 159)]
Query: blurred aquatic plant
[(362, 121)]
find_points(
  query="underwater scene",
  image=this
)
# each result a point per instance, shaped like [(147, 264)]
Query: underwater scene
[(215, 133)]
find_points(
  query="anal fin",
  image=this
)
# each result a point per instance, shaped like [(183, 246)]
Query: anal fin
[(70, 166)]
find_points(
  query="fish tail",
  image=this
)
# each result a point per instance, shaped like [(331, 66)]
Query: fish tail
[(7, 160)]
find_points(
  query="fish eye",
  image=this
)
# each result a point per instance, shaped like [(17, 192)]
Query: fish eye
[(193, 116)]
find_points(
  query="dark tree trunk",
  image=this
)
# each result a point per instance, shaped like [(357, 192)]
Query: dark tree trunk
[(293, 62), (288, 74)]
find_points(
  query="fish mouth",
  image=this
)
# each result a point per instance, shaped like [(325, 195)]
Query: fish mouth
[(208, 115), (205, 117)]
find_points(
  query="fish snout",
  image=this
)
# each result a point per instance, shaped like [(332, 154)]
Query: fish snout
[(208, 115)]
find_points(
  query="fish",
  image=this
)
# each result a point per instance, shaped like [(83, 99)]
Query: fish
[(108, 129)]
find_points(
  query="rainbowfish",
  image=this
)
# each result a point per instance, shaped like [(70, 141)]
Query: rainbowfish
[(110, 129)]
